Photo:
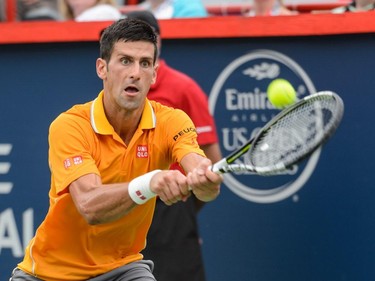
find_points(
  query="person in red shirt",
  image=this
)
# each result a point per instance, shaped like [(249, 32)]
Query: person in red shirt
[(174, 243)]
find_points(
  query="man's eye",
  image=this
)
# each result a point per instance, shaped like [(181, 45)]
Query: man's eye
[(145, 63), (125, 61)]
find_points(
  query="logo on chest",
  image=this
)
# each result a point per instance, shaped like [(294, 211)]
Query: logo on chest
[(142, 151)]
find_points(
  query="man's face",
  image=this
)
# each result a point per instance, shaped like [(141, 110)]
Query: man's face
[(128, 75)]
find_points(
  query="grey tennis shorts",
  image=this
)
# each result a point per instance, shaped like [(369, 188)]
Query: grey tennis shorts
[(135, 271)]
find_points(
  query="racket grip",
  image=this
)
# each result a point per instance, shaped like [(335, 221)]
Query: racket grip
[(217, 167)]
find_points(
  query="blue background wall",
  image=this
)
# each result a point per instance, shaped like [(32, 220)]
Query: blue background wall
[(323, 232)]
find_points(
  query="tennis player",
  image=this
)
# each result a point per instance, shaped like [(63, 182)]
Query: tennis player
[(109, 159)]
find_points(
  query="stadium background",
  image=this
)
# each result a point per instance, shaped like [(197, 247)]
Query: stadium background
[(327, 234)]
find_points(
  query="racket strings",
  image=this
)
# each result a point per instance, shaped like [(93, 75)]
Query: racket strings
[(294, 135)]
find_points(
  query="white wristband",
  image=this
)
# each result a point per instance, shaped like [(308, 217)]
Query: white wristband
[(139, 188)]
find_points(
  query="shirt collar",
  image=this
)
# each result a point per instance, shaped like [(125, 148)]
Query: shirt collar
[(101, 125)]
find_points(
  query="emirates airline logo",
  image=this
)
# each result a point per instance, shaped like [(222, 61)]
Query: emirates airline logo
[(239, 94)]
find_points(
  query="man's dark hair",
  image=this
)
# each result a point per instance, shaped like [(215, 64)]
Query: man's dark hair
[(126, 30)]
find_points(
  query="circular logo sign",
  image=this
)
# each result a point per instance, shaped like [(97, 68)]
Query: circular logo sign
[(238, 101)]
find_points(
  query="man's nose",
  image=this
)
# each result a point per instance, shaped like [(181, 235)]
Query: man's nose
[(135, 70)]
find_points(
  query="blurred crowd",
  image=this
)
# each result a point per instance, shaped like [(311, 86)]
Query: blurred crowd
[(96, 10)]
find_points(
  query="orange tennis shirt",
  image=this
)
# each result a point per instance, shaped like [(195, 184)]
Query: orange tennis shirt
[(81, 142)]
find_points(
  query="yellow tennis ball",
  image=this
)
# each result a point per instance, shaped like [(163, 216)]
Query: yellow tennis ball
[(281, 93)]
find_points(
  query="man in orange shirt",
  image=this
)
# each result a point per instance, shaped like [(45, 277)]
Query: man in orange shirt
[(109, 160)]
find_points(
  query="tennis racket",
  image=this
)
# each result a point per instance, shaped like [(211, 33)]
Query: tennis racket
[(288, 138)]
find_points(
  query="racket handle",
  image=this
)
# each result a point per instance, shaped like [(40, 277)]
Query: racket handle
[(217, 167)]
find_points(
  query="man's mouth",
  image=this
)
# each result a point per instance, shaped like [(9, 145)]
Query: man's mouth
[(131, 90)]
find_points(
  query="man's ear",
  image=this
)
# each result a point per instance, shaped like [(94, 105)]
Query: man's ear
[(155, 74), (101, 68)]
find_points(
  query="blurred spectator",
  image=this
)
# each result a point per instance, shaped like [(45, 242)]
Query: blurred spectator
[(356, 6), (173, 241), (270, 8), (89, 10), (166, 9), (33, 10), (2, 10)]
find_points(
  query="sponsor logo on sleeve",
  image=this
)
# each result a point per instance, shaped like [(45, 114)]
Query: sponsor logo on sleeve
[(76, 160), (183, 132)]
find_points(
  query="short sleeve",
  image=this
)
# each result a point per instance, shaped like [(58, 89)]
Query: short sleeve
[(182, 135), (70, 150)]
